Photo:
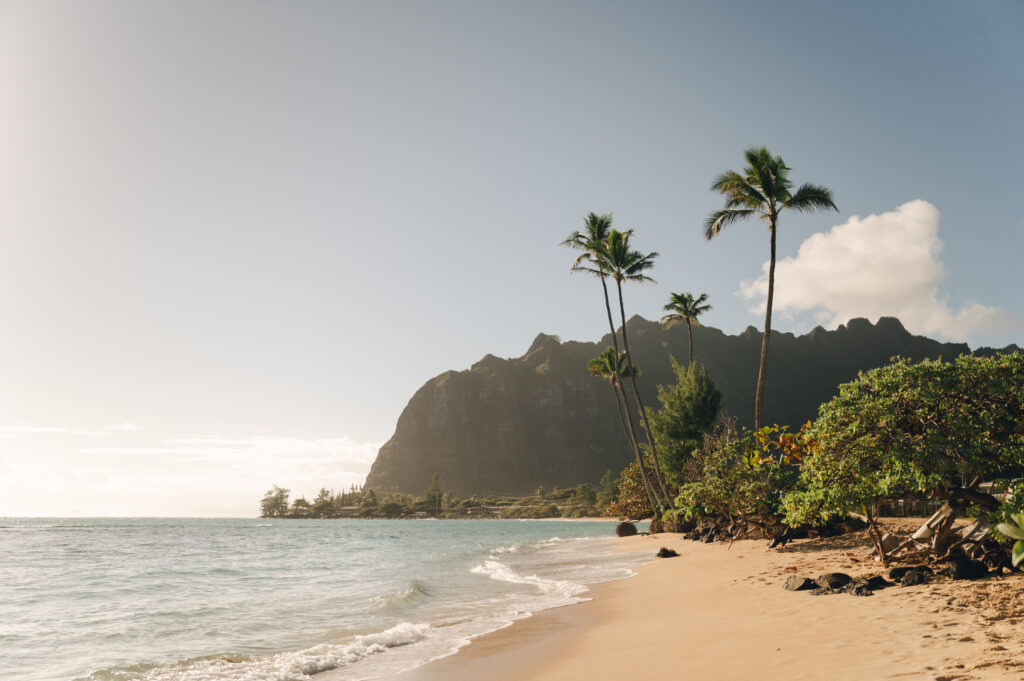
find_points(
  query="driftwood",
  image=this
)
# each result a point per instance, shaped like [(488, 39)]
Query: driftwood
[(937, 542)]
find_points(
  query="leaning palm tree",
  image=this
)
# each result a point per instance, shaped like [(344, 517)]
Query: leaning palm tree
[(611, 366), (592, 241), (683, 307), (623, 264), (763, 190)]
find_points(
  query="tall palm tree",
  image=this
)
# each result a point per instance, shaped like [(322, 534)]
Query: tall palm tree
[(611, 365), (683, 307), (763, 190), (623, 264), (591, 241)]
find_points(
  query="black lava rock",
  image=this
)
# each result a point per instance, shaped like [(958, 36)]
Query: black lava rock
[(875, 581), (666, 553), (625, 529), (896, 574), (914, 577), (795, 583), (858, 588), (965, 569), (833, 580)]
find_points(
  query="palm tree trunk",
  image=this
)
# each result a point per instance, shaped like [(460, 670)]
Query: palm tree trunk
[(627, 425), (762, 372), (639, 403), (624, 403), (689, 337), (631, 432), (611, 322)]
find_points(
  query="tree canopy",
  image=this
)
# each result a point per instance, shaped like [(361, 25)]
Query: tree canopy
[(934, 428), (689, 409)]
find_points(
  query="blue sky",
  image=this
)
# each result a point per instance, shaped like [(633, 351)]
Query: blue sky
[(236, 237)]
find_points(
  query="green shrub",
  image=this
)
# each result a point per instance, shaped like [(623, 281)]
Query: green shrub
[(931, 428), (546, 511), (741, 477), (689, 409)]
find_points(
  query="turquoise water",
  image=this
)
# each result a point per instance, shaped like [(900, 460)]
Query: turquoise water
[(260, 600)]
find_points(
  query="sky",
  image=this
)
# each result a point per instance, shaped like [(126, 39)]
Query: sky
[(236, 237)]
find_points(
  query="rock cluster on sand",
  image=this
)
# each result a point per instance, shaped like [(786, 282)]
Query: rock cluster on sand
[(839, 582)]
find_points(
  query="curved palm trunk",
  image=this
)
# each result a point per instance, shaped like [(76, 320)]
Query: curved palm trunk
[(636, 395), (623, 402), (627, 425), (762, 372), (689, 337), (611, 322)]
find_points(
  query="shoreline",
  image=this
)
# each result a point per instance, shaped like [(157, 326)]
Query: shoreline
[(719, 612)]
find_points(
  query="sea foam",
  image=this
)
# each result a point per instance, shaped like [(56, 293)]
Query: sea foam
[(495, 569), (287, 666)]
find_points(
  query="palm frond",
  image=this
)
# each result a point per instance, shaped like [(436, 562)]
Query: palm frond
[(685, 307), (620, 261), (769, 173), (727, 182), (585, 257), (714, 223), (811, 197), (610, 366), (757, 156), (670, 320), (750, 198), (575, 241), (590, 240), (593, 271)]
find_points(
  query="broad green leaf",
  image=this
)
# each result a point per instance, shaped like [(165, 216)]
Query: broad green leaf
[(1012, 531)]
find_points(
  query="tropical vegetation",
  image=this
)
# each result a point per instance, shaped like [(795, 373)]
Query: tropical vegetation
[(689, 410), (942, 430)]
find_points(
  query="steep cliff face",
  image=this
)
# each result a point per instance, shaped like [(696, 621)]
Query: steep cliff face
[(506, 425), (509, 425)]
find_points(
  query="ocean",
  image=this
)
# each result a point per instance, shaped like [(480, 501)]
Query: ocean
[(143, 599)]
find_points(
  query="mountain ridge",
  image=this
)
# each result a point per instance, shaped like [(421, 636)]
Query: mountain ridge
[(508, 425)]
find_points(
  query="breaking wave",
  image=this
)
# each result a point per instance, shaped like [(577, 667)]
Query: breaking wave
[(295, 665)]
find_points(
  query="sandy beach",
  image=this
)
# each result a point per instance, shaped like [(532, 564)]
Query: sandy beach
[(721, 613)]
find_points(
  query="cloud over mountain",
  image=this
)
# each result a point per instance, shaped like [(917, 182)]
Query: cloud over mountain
[(880, 265)]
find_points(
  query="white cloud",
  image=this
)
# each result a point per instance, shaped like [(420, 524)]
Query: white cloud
[(881, 265)]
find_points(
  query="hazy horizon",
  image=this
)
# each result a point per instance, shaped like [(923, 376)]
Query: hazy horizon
[(236, 238)]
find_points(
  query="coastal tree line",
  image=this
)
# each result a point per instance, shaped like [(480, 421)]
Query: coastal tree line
[(584, 500)]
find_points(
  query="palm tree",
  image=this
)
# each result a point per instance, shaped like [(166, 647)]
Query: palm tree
[(615, 257), (595, 232), (763, 190), (683, 307), (611, 365)]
